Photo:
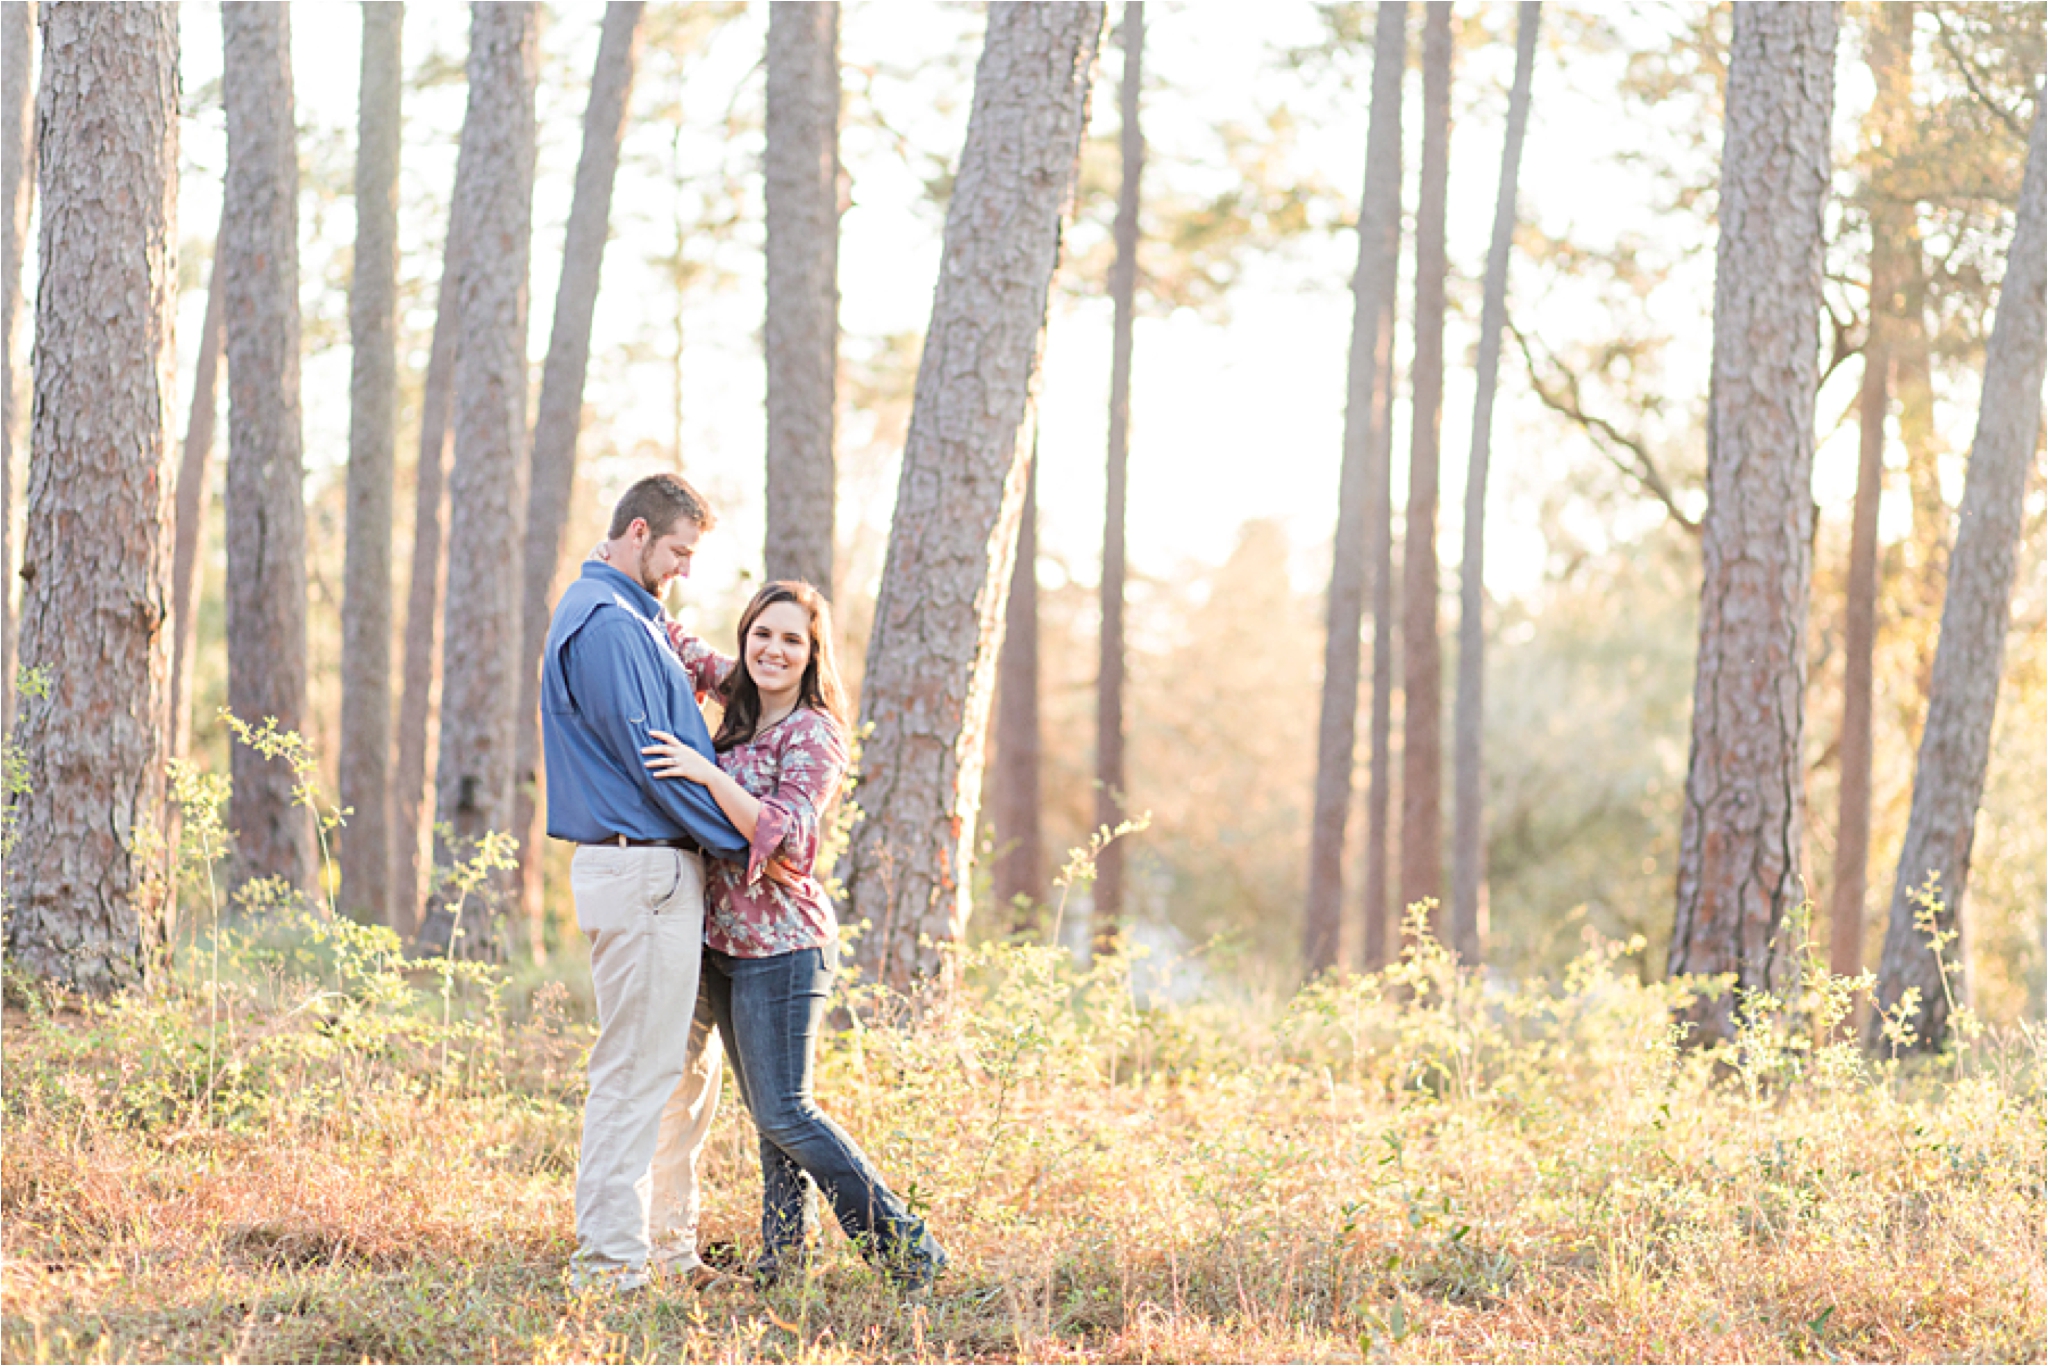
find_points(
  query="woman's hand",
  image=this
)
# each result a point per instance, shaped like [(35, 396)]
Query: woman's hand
[(674, 759)]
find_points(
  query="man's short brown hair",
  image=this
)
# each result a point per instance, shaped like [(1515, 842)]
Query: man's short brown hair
[(660, 500)]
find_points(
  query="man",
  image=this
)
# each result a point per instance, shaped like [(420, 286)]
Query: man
[(608, 678)]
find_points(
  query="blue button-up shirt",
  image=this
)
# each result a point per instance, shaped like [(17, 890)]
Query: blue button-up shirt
[(608, 678)]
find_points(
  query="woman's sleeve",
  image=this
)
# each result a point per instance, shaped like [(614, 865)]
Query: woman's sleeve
[(707, 668), (812, 763)]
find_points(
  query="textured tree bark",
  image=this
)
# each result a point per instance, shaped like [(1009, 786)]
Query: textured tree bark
[(365, 852), (1110, 782), (1019, 825), (266, 514), (1382, 922), (85, 895), (802, 333), (17, 195), (487, 489), (1738, 863), (1366, 407), (1859, 643), (938, 617), (1891, 230), (1468, 834), (559, 421), (1422, 660), (1955, 747), (195, 466), (419, 708)]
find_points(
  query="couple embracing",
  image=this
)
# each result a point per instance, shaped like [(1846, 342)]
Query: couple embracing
[(694, 884)]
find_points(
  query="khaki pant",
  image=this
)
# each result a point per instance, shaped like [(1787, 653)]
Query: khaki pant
[(653, 1075)]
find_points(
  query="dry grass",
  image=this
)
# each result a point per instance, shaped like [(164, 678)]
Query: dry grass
[(1525, 1175)]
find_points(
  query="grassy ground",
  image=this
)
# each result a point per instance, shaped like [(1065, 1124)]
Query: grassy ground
[(341, 1164)]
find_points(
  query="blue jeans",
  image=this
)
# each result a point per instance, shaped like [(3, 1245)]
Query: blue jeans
[(768, 1011)]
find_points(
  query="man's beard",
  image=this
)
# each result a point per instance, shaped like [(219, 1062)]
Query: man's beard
[(652, 585)]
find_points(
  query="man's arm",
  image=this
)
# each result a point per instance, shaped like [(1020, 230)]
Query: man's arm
[(610, 668)]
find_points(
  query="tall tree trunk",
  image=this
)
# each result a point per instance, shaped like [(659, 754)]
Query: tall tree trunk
[(195, 473), (419, 707), (559, 421), (266, 512), (1382, 922), (373, 401), (1422, 661), (1891, 236), (802, 333), (17, 195), (83, 908), (1913, 379), (938, 618), (1110, 782), (1468, 833), (188, 532), (1366, 407), (1377, 932), (1019, 826), (1738, 862), (1969, 660), (1859, 646), (487, 489)]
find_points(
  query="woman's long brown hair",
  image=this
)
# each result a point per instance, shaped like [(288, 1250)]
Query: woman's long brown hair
[(820, 689)]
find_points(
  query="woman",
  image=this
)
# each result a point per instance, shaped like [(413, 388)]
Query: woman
[(769, 948)]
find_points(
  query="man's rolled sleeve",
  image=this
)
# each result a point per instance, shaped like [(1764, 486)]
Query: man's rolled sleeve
[(607, 668)]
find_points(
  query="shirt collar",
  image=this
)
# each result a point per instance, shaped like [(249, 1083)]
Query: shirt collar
[(642, 601)]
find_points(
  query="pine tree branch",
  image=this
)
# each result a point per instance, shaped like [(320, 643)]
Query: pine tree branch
[(1562, 396), (1968, 71)]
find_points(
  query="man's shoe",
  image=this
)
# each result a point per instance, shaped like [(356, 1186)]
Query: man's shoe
[(610, 1280), (789, 1268), (915, 1280), (682, 1266)]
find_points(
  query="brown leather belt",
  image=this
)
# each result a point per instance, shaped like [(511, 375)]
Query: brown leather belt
[(682, 842)]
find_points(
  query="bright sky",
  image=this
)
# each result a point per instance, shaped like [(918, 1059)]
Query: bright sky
[(1231, 421)]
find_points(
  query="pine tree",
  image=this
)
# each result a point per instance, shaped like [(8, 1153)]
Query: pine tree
[(419, 699), (1739, 843), (17, 195), (1422, 666), (1468, 833), (938, 618), (266, 514), (1948, 781), (801, 336), (1891, 237), (195, 474), (1015, 796), (1366, 409), (559, 420), (84, 891), (487, 487), (1110, 780), (365, 853)]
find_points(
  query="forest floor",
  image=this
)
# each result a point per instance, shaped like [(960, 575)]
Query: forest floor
[(341, 1163)]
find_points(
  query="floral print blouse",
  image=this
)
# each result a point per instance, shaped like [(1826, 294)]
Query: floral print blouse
[(794, 769)]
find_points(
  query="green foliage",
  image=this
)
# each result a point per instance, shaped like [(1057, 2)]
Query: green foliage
[(1410, 1161), (14, 784)]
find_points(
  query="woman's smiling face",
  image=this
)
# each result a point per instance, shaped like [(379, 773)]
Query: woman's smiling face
[(777, 648)]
